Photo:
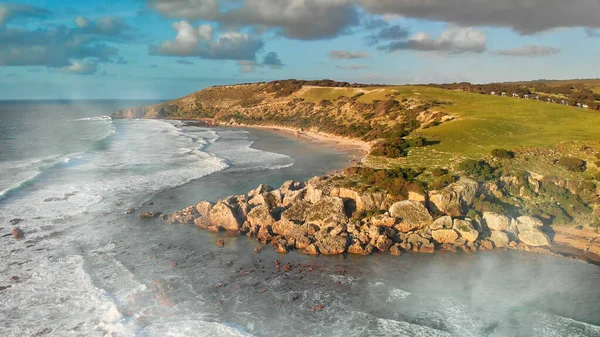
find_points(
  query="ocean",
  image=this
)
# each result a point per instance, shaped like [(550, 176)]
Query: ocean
[(86, 268)]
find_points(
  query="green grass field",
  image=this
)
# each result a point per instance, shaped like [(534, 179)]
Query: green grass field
[(485, 123)]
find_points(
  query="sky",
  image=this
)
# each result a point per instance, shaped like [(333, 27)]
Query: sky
[(161, 49)]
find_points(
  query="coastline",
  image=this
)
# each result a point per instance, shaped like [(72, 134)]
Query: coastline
[(566, 243)]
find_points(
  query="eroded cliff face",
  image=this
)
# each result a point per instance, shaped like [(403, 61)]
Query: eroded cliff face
[(296, 104)]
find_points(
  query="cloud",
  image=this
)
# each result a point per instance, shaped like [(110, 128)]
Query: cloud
[(529, 51), (272, 60), (112, 27), (81, 68), (75, 50), (186, 62), (523, 16), (199, 42), (353, 67), (453, 40), (347, 55), (388, 33), (10, 11), (295, 19)]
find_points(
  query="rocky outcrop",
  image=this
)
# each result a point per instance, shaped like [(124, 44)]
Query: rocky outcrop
[(313, 218)]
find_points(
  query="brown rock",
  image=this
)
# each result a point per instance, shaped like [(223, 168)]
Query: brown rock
[(18, 233), (223, 215), (496, 222), (530, 232), (262, 188), (185, 216), (260, 216), (427, 248), (444, 235), (220, 243), (128, 211), (396, 250), (456, 199), (444, 222), (486, 245), (297, 212), (466, 230), (383, 220), (149, 215), (413, 215), (292, 197), (327, 212), (500, 239), (311, 250), (280, 245), (331, 245)]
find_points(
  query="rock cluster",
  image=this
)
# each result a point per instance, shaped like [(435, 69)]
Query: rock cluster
[(319, 218)]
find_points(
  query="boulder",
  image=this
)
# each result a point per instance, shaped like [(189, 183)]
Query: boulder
[(413, 215), (396, 250), (444, 222), (280, 245), (18, 233), (416, 196), (486, 245), (466, 230), (360, 248), (262, 188), (149, 215), (203, 219), (383, 220), (314, 193), (332, 245), (530, 232), (327, 212), (297, 212), (416, 241), (291, 185), (496, 222), (311, 250), (456, 199), (266, 199), (293, 196), (427, 248), (260, 216), (444, 235), (383, 243), (185, 216), (362, 201), (222, 214), (500, 239)]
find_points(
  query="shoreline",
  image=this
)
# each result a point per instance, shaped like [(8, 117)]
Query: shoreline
[(362, 147), (567, 243)]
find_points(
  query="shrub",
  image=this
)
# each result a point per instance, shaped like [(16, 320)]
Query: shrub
[(572, 164), (478, 169), (393, 148), (598, 155), (443, 181), (502, 154), (416, 141), (438, 172), (397, 182), (597, 177), (597, 163)]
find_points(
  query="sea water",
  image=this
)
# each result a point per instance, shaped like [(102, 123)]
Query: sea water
[(86, 268)]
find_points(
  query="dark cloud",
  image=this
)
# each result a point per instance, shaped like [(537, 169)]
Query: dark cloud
[(73, 50), (525, 17), (191, 41), (529, 51), (347, 55), (374, 23), (272, 60), (9, 11), (451, 41), (107, 27), (388, 33), (296, 19), (183, 61)]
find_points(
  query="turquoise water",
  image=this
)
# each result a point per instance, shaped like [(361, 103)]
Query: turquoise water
[(85, 268)]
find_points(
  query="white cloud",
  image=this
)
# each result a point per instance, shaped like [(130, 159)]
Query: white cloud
[(347, 55)]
